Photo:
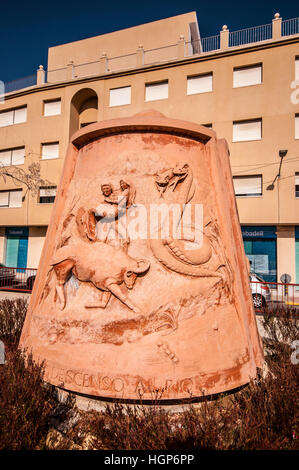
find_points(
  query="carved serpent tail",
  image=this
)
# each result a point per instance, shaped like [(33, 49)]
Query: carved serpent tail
[(165, 257)]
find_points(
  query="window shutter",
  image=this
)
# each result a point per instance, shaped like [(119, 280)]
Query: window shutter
[(52, 108), (18, 156), (50, 151), (200, 84), (247, 76), (4, 196), (48, 192), (250, 186), (20, 115), (120, 96), (5, 158), (6, 118), (246, 131), (156, 91), (15, 198)]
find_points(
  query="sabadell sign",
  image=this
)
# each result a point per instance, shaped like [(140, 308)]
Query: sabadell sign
[(259, 232)]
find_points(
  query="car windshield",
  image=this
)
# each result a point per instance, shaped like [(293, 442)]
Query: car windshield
[(253, 275)]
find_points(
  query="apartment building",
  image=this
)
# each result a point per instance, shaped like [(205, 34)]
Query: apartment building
[(242, 84)]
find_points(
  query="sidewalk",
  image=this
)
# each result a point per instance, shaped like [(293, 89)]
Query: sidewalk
[(6, 294)]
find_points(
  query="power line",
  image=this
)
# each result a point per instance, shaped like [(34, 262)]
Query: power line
[(265, 166)]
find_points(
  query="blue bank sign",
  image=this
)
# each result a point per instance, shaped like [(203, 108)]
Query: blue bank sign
[(254, 232)]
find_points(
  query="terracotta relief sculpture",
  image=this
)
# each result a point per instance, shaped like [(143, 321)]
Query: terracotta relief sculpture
[(143, 286)]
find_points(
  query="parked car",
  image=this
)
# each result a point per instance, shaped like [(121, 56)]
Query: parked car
[(260, 291), (7, 275), (25, 278), (30, 282)]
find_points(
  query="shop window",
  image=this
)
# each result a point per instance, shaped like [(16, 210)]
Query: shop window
[(47, 194), (200, 84), (156, 91), (246, 76), (260, 243), (297, 185), (13, 116), (248, 186), (120, 96), (11, 198), (50, 151), (12, 156), (244, 131), (16, 249), (52, 108)]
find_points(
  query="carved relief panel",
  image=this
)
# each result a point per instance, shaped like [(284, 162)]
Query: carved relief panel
[(142, 287)]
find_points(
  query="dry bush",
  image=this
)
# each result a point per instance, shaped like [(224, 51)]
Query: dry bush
[(12, 316), (28, 407), (263, 415)]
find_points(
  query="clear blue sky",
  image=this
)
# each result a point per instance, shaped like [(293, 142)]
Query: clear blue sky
[(27, 29)]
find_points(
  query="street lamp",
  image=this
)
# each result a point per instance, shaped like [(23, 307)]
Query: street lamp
[(282, 154)]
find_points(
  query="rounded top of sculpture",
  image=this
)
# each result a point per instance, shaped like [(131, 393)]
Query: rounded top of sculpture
[(277, 15), (145, 121), (224, 27)]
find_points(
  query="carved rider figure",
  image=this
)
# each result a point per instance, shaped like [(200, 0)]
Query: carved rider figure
[(110, 215)]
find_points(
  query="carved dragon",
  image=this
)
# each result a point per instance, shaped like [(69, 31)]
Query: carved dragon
[(176, 185)]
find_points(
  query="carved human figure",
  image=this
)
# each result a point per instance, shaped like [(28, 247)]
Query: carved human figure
[(111, 214)]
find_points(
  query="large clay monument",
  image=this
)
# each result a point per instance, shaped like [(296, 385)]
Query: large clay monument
[(142, 290)]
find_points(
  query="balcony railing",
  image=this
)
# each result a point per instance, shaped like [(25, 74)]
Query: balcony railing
[(275, 296), (17, 279), (182, 49), (250, 35), (290, 27), (20, 83)]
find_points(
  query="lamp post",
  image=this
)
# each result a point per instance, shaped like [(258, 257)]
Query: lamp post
[(282, 154)]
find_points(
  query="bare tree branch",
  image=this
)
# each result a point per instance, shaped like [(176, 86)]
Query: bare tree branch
[(31, 177)]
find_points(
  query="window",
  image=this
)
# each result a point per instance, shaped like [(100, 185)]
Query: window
[(50, 151), (13, 116), (47, 194), (297, 126), (209, 126), (248, 186), (11, 198), (247, 130), (200, 84), (156, 91), (52, 108), (297, 68), (246, 76), (297, 185), (120, 96), (12, 156)]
